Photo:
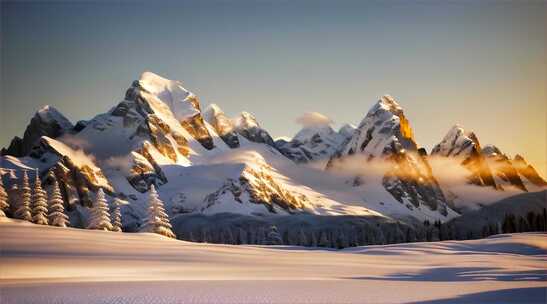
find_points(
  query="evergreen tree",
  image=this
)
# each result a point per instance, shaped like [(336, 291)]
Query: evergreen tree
[(39, 203), (205, 238), (117, 215), (57, 216), (100, 217), (228, 237), (242, 238), (22, 209), (302, 239), (313, 241), (4, 204), (323, 240), (531, 218), (341, 240), (273, 237), (158, 220)]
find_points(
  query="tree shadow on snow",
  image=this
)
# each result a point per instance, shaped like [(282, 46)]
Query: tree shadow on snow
[(516, 295), (451, 274)]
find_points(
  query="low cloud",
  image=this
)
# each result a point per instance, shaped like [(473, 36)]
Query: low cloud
[(121, 163), (451, 175), (310, 119), (74, 142)]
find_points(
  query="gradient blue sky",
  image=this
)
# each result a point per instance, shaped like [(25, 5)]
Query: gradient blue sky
[(482, 64)]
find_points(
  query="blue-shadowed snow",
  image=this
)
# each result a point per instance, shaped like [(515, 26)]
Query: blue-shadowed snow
[(62, 265)]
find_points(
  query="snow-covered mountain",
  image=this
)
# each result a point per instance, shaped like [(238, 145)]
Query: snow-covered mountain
[(501, 166), (247, 126), (528, 172), (384, 136), (487, 166), (158, 135), (206, 162), (315, 143), (464, 147), (46, 122), (223, 125)]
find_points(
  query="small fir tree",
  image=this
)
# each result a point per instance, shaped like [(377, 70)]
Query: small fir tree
[(117, 215), (4, 204), (22, 209), (273, 237), (57, 216), (39, 203), (100, 216), (158, 220)]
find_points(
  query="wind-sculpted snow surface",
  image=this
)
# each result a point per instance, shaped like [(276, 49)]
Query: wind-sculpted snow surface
[(64, 265)]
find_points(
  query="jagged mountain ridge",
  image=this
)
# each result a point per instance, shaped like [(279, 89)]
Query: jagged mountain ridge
[(314, 143), (159, 135), (385, 135), (464, 147), (46, 122)]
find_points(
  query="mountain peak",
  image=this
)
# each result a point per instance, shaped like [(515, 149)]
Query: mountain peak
[(528, 171), (46, 122), (49, 114), (491, 150), (347, 129), (464, 146), (457, 142), (388, 103), (519, 158), (214, 108), (246, 120), (222, 125), (151, 76)]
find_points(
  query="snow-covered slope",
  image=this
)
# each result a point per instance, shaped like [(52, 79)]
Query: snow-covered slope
[(45, 264), (383, 143)]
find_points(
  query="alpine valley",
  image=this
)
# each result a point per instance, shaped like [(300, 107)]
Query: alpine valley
[(222, 177)]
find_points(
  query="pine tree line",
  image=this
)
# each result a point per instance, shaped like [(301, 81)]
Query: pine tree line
[(34, 205), (266, 234)]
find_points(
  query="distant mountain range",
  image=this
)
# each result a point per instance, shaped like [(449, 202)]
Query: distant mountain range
[(203, 161)]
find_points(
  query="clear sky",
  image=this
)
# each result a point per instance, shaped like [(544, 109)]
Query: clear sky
[(480, 64)]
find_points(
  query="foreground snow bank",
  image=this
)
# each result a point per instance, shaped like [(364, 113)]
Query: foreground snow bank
[(42, 264)]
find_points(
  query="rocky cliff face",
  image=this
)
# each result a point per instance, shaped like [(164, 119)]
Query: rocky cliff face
[(46, 122), (528, 171), (465, 148), (385, 135), (247, 126), (223, 125), (206, 162), (502, 168), (157, 135), (314, 143), (257, 187)]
